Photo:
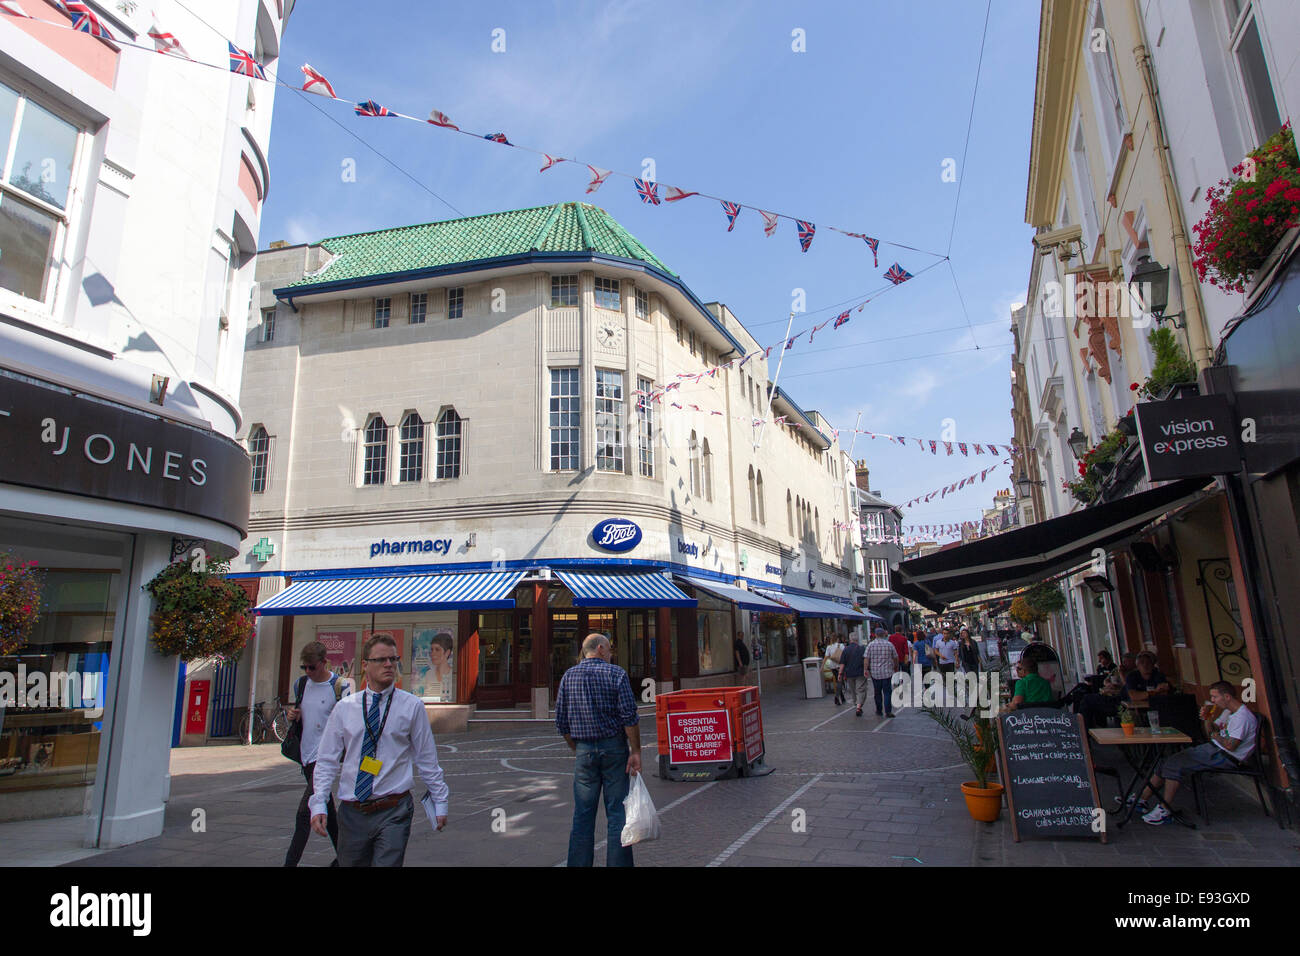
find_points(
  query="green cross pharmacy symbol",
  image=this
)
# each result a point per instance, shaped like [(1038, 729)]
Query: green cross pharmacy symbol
[(263, 549)]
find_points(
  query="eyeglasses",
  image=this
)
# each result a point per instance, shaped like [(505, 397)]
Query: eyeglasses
[(382, 660)]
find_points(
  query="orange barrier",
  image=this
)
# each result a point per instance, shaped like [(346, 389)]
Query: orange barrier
[(710, 733)]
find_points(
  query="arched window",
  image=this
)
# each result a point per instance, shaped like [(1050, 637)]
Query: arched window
[(707, 470), (259, 450), (762, 508), (789, 512), (693, 451), (375, 471), (449, 445), (411, 444), (817, 515), (753, 502)]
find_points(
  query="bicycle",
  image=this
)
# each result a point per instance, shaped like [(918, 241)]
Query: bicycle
[(278, 724)]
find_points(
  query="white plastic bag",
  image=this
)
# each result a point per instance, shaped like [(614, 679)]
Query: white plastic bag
[(641, 819)]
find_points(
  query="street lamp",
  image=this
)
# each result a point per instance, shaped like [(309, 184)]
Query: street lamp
[(1025, 484), (1078, 442), (1149, 274)]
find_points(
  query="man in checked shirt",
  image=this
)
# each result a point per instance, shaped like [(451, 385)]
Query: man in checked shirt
[(596, 713)]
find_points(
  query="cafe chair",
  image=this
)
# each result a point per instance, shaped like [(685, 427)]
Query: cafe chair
[(1253, 767)]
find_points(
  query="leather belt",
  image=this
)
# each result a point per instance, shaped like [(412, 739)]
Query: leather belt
[(379, 803)]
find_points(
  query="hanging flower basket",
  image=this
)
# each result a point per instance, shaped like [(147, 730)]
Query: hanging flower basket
[(1249, 214), (20, 602), (199, 614)]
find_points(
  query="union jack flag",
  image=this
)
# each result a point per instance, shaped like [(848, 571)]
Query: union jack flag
[(167, 43), (767, 352), (371, 108), (875, 248), (947, 446), (498, 138), (242, 62), (815, 330), (648, 191), (84, 20), (439, 118), (769, 222), (316, 82), (979, 450), (715, 413), (840, 320), (12, 8), (934, 448), (789, 344), (673, 194), (961, 447), (550, 161), (897, 274), (731, 210), (598, 177), (806, 231)]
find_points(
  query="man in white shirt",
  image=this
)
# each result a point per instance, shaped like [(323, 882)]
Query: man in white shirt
[(385, 734), (945, 650), (315, 695), (1232, 729)]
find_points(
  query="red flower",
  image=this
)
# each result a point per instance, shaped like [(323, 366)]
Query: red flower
[(1133, 387)]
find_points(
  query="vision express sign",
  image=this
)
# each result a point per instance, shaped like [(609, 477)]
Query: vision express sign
[(62, 442), (1188, 437)]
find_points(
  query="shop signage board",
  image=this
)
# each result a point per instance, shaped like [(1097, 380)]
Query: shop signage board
[(616, 534), (1046, 768), (1189, 437), (702, 736), (57, 440)]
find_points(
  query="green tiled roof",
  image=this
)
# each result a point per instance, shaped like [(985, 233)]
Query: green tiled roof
[(563, 227)]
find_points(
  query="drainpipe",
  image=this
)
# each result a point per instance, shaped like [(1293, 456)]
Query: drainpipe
[(1193, 308)]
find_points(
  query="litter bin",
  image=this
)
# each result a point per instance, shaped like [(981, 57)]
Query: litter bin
[(813, 689)]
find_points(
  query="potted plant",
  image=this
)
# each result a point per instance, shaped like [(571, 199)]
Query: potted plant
[(1171, 369), (1128, 424), (1126, 720), (20, 602), (199, 613), (977, 741), (1249, 215)]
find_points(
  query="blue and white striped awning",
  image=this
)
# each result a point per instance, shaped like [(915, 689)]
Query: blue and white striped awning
[(813, 607), (623, 590), (747, 600), (409, 592)]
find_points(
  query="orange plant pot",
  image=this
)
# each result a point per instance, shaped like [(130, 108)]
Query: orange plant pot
[(1128, 729), (983, 803)]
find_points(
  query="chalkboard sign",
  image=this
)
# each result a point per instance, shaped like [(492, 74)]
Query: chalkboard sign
[(1047, 772)]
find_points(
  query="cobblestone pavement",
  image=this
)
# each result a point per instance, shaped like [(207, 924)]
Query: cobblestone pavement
[(844, 791)]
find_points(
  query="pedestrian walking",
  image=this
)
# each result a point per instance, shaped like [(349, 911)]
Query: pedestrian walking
[(882, 661), (968, 653), (902, 649), (381, 735), (315, 694), (945, 651), (741, 655), (831, 668), (921, 652), (853, 676), (596, 713)]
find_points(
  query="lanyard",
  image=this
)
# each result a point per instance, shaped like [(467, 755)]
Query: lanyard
[(365, 719)]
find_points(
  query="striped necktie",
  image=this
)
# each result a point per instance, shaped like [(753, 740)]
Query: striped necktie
[(366, 781)]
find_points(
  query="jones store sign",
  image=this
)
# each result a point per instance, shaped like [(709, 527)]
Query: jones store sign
[(616, 534), (56, 440), (1188, 437)]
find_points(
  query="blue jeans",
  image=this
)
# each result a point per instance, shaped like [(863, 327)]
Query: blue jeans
[(884, 689), (600, 764)]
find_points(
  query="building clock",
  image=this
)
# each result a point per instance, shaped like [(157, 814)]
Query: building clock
[(609, 335)]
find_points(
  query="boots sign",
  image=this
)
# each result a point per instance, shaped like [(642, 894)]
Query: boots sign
[(1188, 437)]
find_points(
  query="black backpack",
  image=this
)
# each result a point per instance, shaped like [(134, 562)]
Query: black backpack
[(291, 746)]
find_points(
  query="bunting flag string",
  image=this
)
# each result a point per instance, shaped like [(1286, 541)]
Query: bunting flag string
[(83, 19), (956, 486)]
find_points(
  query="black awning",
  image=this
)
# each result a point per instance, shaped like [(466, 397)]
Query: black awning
[(1029, 554)]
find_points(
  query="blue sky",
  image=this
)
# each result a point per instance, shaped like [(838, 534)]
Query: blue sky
[(852, 132)]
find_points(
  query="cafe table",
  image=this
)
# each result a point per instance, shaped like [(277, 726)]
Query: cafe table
[(1142, 749)]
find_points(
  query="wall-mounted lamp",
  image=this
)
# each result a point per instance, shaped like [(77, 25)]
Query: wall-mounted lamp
[(472, 540), (1025, 484), (1152, 277), (1078, 442)]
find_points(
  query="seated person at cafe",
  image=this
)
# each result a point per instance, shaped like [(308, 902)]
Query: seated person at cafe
[(1105, 664), (1231, 727), (1096, 708), (1140, 684), (1030, 688)]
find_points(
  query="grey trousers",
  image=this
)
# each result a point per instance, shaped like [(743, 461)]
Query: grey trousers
[(859, 686), (374, 839)]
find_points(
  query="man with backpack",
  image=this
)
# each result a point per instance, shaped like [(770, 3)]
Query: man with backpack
[(314, 694)]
